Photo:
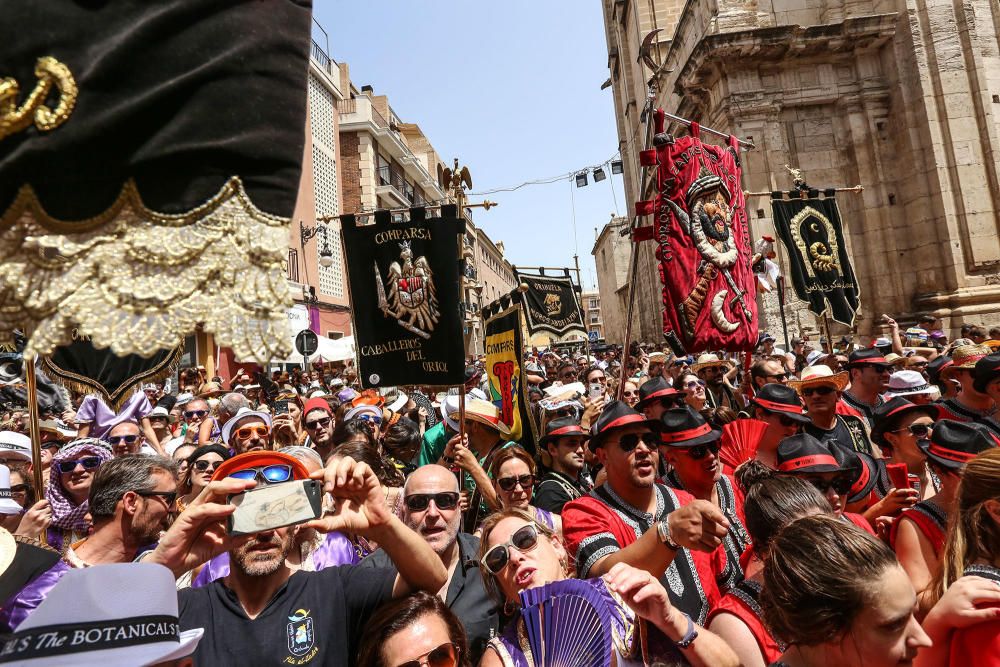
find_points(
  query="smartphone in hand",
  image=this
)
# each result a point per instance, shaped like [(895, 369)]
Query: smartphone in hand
[(276, 505)]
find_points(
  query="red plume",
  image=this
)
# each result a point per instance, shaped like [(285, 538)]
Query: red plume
[(739, 441)]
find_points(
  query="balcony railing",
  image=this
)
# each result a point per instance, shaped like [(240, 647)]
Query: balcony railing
[(322, 58)]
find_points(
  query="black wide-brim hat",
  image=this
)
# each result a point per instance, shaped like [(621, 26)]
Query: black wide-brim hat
[(562, 428), (617, 415), (781, 399), (953, 443), (803, 453), (987, 369), (655, 389), (865, 471), (685, 427), (156, 175), (867, 356), (889, 414)]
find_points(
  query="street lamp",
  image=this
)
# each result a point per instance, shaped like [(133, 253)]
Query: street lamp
[(325, 254), (599, 175)]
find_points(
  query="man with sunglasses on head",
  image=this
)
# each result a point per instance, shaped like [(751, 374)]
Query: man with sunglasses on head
[(132, 500), (266, 613), (691, 446), (430, 508), (632, 519), (248, 431), (821, 389)]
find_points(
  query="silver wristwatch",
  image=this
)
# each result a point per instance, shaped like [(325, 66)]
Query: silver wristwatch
[(663, 532)]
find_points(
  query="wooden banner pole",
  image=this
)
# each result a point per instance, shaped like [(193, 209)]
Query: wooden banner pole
[(34, 430)]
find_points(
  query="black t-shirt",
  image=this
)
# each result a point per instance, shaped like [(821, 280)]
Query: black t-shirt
[(316, 618), (554, 491), (848, 431)]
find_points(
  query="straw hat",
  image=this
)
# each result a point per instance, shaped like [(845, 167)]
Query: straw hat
[(965, 357), (819, 375), (480, 411), (707, 361), (211, 390)]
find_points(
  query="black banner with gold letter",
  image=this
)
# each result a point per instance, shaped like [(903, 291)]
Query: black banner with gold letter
[(404, 279), (550, 304), (820, 267), (505, 369)]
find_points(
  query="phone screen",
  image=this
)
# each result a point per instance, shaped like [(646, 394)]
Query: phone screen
[(275, 505), (281, 407), (596, 390)]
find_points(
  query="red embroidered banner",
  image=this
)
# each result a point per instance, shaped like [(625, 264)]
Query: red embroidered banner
[(703, 238)]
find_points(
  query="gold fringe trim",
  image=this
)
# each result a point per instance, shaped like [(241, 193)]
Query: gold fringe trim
[(82, 384), (137, 281)]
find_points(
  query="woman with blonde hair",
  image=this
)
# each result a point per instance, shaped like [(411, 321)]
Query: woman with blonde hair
[(518, 554), (971, 562)]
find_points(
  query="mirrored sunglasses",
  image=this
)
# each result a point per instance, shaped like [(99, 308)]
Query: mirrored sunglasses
[(272, 474)]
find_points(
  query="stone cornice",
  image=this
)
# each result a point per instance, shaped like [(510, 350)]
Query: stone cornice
[(771, 45)]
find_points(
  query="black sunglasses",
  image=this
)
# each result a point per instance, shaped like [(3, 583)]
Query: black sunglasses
[(841, 485), (202, 466), (630, 441), (196, 413), (671, 401), (324, 422), (19, 488), (918, 430), (509, 483), (778, 376), (701, 451), (88, 463), (418, 502), (523, 539), (822, 390), (169, 497), (127, 439)]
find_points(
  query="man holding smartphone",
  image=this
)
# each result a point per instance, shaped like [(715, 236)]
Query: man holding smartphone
[(260, 614)]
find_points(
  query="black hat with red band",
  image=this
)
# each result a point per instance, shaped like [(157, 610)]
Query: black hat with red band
[(616, 415), (780, 399), (684, 427), (870, 356), (867, 474), (889, 414), (655, 389), (562, 428), (954, 443), (803, 453)]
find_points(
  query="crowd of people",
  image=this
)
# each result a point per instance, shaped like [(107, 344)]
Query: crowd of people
[(835, 504)]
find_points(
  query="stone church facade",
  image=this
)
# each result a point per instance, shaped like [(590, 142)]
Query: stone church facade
[(900, 96)]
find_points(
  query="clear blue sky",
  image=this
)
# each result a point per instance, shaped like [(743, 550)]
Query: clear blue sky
[(512, 89)]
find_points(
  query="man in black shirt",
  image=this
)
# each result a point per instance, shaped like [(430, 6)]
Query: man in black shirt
[(563, 444), (821, 390), (262, 615)]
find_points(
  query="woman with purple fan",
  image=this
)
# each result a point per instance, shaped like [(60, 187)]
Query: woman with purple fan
[(558, 620)]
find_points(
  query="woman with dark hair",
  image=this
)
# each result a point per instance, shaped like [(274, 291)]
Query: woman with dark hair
[(414, 631), (513, 475), (201, 465), (353, 431), (402, 444), (694, 387), (835, 595), (771, 501), (388, 476), (518, 554)]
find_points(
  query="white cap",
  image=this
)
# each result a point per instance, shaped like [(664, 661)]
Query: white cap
[(7, 504), (14, 445), (137, 601), (243, 413)]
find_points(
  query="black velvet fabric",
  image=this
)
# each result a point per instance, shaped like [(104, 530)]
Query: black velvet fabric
[(178, 94)]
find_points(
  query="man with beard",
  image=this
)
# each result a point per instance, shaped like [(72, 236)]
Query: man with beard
[(563, 444), (430, 508), (131, 501), (248, 431), (262, 615), (691, 447), (317, 418), (632, 519)]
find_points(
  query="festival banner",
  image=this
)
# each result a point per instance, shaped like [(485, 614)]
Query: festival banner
[(405, 299), (505, 370), (812, 232), (550, 304), (704, 249)]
